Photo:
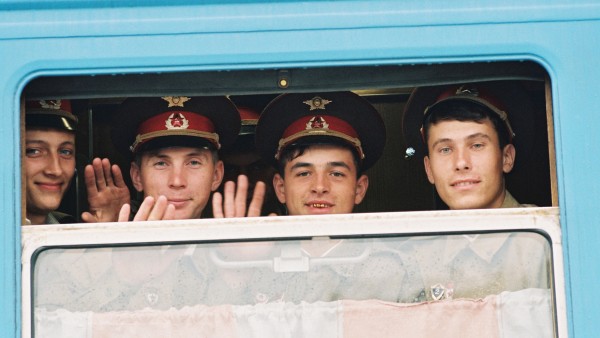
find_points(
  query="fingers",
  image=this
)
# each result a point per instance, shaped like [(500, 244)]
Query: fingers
[(240, 196), (106, 172), (258, 199), (217, 205), (229, 199), (99, 173), (152, 210), (124, 213), (90, 180), (233, 201), (118, 176), (88, 217)]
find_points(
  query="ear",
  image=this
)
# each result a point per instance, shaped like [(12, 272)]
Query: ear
[(218, 174), (428, 169), (362, 184), (509, 154), (136, 177), (279, 186)]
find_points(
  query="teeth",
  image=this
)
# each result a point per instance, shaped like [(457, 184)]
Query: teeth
[(463, 184), (318, 205)]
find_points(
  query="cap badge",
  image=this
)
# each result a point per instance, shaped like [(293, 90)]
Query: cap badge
[(317, 122), (177, 121), (462, 90), (176, 101), (317, 103), (51, 104)]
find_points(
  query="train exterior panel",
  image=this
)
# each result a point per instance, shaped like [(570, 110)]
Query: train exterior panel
[(86, 39)]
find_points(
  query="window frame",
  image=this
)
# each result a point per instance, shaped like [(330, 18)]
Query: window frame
[(543, 220)]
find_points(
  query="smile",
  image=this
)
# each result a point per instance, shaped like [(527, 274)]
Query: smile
[(319, 205), (465, 183)]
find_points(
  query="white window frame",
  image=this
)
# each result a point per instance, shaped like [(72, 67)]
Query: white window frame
[(542, 220)]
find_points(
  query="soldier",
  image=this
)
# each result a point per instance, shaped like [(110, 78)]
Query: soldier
[(467, 142), (49, 159), (321, 144), (468, 145), (174, 142)]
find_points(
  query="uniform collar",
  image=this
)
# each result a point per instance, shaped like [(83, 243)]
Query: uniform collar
[(50, 219), (485, 247)]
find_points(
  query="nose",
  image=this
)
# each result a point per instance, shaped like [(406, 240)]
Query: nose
[(177, 177), (320, 183), (462, 160), (53, 165)]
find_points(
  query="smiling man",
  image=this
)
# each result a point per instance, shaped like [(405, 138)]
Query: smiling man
[(174, 143), (469, 151), (321, 144), (468, 146), (49, 159)]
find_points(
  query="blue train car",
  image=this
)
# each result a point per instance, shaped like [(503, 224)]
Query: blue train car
[(96, 53)]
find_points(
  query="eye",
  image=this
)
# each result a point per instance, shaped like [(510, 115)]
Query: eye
[(303, 173), (159, 164), (195, 163), (477, 146), (66, 153), (338, 174), (33, 152), (445, 150)]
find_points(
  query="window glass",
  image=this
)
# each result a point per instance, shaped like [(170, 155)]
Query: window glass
[(325, 284)]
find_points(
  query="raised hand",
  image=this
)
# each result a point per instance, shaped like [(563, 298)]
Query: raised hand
[(232, 203), (106, 190), (150, 210)]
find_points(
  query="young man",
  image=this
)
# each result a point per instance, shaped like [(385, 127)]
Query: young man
[(50, 167), (321, 145), (174, 143), (49, 159), (468, 142), (468, 148)]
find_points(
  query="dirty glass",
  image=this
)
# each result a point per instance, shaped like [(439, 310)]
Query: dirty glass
[(493, 284)]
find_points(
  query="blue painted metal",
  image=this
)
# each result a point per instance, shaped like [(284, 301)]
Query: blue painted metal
[(105, 37)]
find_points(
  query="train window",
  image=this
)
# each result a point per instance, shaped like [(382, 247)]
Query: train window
[(400, 258), (403, 271), (95, 101)]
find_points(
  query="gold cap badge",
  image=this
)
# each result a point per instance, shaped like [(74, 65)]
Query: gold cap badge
[(176, 101), (317, 103)]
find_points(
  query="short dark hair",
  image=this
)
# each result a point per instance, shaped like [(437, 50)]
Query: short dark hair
[(464, 111), (298, 148)]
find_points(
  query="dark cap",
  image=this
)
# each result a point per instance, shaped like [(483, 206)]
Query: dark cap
[(56, 114), (144, 123), (249, 118), (343, 116), (507, 100)]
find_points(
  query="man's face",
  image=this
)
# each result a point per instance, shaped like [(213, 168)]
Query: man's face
[(186, 176), (49, 168), (321, 181), (466, 164)]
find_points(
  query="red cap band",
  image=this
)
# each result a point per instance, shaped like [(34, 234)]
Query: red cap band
[(176, 123), (319, 125)]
